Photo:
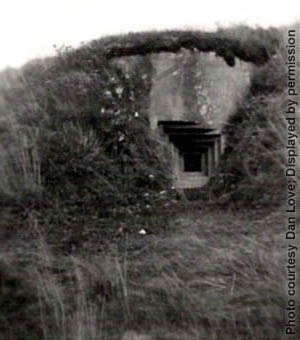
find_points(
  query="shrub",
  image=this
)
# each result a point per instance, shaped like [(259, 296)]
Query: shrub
[(80, 124), (252, 168)]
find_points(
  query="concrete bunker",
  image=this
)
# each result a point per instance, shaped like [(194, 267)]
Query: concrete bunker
[(191, 99), (197, 78)]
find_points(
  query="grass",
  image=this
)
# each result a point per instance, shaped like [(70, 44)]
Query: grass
[(20, 168), (216, 275), (252, 169)]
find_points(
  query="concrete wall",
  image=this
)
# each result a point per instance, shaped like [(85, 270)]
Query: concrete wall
[(166, 99), (195, 86)]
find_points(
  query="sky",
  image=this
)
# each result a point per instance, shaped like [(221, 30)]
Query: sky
[(30, 28)]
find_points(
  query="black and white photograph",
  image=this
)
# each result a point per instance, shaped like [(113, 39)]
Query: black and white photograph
[(149, 170)]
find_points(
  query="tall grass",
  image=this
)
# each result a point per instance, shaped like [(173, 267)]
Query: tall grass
[(20, 165), (209, 280)]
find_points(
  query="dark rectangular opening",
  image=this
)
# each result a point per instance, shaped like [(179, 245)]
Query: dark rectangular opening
[(192, 162)]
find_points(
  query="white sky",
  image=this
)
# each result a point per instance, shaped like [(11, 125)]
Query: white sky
[(30, 28)]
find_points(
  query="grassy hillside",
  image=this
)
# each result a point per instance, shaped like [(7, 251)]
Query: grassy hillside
[(95, 243), (75, 130)]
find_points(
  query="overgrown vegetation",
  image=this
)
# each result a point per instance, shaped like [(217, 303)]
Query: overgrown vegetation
[(252, 169), (75, 131), (81, 174), (252, 45)]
